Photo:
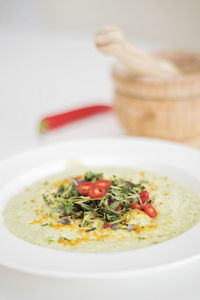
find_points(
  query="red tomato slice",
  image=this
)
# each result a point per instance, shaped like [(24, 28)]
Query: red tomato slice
[(96, 192), (144, 196), (150, 210), (103, 183), (137, 206), (106, 225), (118, 208), (84, 187)]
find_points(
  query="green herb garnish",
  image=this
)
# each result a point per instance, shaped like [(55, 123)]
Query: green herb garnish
[(110, 208)]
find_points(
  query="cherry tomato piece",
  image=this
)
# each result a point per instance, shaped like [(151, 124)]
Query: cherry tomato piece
[(137, 206), (106, 225), (150, 210), (96, 192), (118, 208), (103, 183), (84, 187), (144, 196)]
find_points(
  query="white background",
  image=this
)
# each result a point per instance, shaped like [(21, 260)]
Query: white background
[(48, 62), (43, 73)]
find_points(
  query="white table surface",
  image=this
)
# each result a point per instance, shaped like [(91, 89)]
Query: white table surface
[(43, 73)]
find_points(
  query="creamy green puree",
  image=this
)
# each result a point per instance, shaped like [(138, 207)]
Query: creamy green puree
[(45, 214)]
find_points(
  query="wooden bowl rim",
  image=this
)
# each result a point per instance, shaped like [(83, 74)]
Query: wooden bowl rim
[(189, 79)]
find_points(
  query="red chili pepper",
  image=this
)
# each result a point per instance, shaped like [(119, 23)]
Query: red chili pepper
[(96, 192), (84, 187), (103, 183), (54, 121), (106, 225), (150, 210), (144, 196), (137, 206), (118, 208)]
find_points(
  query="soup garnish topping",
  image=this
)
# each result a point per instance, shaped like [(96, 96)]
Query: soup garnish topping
[(90, 197)]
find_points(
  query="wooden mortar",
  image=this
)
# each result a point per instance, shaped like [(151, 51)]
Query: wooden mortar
[(161, 108)]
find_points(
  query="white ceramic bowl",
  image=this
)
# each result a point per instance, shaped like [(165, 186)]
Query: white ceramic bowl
[(103, 275)]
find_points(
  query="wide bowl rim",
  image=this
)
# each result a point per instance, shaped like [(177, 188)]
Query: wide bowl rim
[(108, 273), (120, 73)]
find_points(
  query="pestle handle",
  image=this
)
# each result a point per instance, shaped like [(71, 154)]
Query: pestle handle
[(110, 41)]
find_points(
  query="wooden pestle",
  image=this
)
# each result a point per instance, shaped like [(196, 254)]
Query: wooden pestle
[(110, 41)]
